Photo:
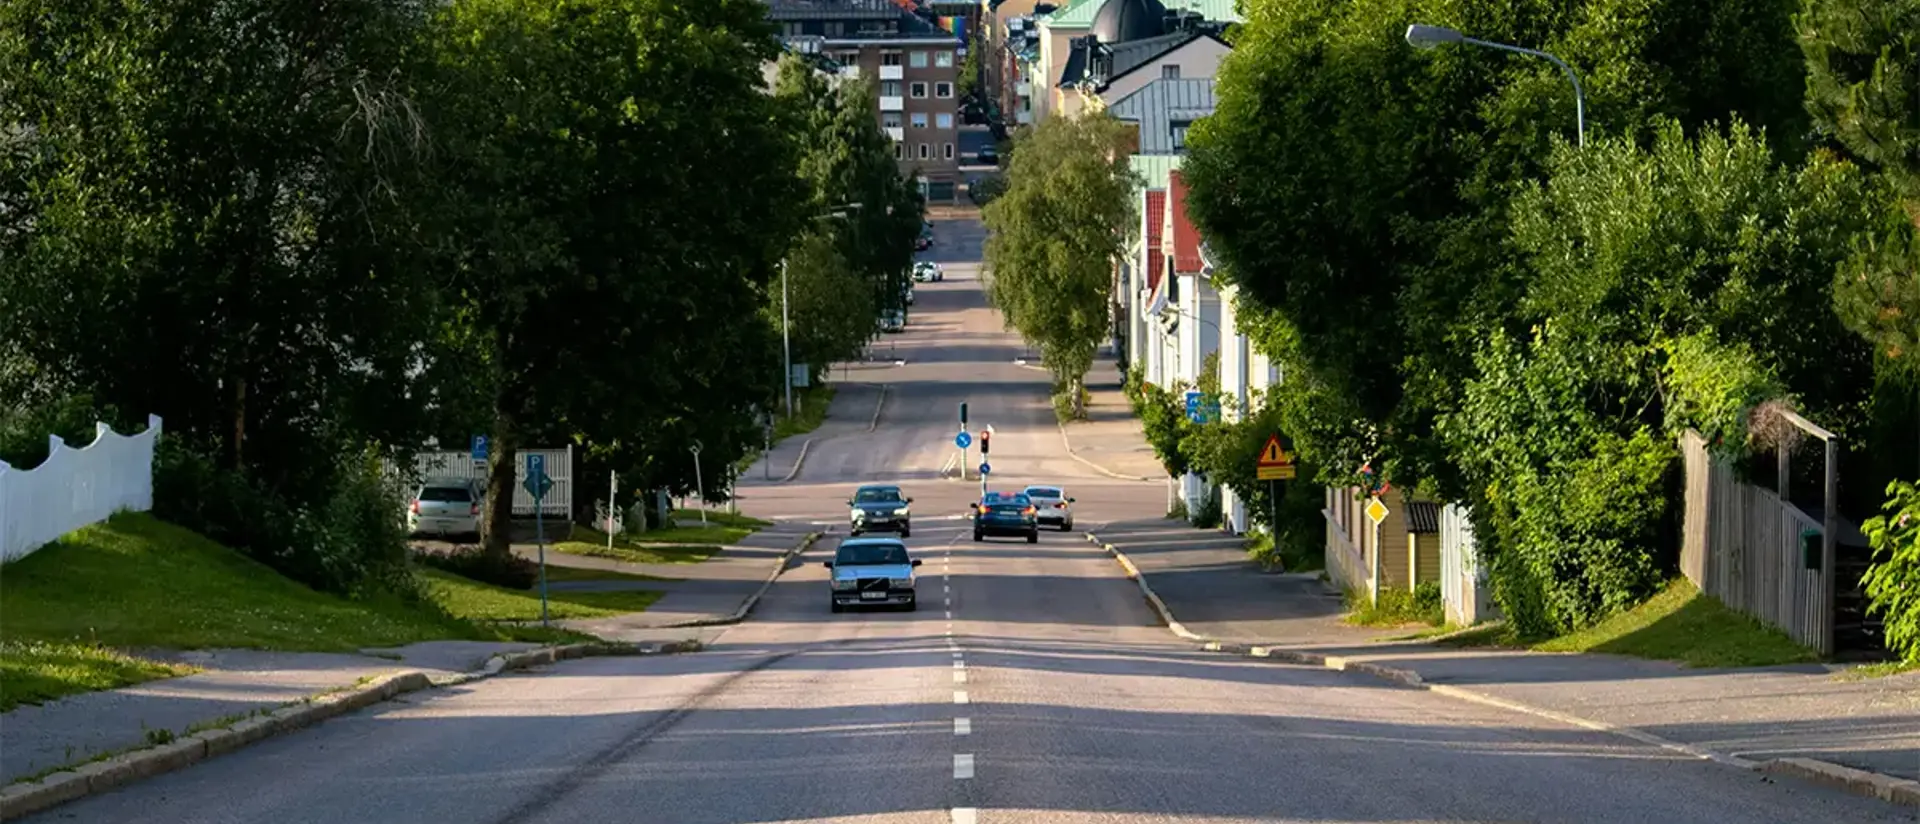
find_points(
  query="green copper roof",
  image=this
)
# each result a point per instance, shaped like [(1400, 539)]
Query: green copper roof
[(1079, 14), (1155, 168)]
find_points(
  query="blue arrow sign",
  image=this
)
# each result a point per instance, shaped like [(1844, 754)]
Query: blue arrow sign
[(986, 469), (963, 440), (479, 450), (1194, 412)]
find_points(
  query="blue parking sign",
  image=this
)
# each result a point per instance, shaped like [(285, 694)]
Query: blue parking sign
[(479, 450)]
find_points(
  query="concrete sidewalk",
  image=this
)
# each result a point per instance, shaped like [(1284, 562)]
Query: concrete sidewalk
[(235, 683), (1111, 438), (706, 591), (1809, 711)]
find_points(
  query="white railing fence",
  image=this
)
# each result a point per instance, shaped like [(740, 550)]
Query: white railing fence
[(75, 487), (559, 500)]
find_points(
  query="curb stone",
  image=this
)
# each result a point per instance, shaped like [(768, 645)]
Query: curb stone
[(780, 567), (25, 798), (878, 407), (1898, 791), (799, 461), (1075, 454)]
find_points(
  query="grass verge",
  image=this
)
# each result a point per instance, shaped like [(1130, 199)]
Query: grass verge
[(474, 601), (720, 517), (1397, 607), (1680, 624), (809, 412), (560, 574), (1289, 557), (593, 543), (134, 582)]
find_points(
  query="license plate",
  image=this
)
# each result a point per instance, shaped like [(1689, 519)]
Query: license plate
[(873, 596)]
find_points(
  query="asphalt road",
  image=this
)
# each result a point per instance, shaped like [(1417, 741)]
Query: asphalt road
[(1031, 685)]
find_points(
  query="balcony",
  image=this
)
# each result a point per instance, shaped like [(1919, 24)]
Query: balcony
[(892, 72), (896, 133), (892, 104)]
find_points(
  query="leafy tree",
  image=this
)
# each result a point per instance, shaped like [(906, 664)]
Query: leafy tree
[(615, 196), (197, 220), (1053, 238), (1358, 187), (831, 307)]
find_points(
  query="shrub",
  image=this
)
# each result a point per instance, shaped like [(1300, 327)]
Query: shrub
[(23, 432), (1893, 581), (351, 538), (511, 571), (1208, 515)]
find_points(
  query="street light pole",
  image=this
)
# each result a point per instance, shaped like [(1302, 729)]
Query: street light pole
[(1426, 37), (786, 340)]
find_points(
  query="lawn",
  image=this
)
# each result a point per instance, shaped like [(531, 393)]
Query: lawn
[(133, 582), (474, 601), (593, 543), (722, 517), (1677, 624), (556, 574), (810, 411)]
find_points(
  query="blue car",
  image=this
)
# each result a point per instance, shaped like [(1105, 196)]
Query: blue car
[(1008, 515)]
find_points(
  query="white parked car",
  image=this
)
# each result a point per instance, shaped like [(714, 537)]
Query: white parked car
[(1053, 504), (445, 508)]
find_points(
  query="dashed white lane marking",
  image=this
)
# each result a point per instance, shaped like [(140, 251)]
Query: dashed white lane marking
[(956, 655), (957, 664), (962, 765), (959, 677), (965, 815), (949, 613), (959, 696), (962, 726)]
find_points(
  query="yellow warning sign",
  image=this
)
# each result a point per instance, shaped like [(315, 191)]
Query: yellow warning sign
[(1275, 464)]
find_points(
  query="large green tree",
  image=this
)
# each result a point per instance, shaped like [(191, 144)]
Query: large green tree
[(616, 194), (1356, 188), (1053, 239)]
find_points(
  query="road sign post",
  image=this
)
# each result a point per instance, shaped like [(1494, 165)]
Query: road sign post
[(1376, 512), (613, 505), (699, 488), (985, 470), (537, 484)]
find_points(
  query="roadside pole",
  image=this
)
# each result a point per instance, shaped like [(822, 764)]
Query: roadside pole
[(1376, 512), (613, 497), (699, 489), (537, 484)]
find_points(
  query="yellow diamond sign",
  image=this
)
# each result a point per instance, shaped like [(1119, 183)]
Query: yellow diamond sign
[(1376, 511)]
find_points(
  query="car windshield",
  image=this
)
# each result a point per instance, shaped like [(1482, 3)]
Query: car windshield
[(1043, 492), (879, 495), (869, 554), (446, 494)]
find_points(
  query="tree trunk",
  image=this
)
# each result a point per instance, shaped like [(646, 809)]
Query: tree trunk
[(239, 423), (1078, 387), (496, 530)]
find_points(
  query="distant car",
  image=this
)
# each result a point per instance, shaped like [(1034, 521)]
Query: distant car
[(1053, 505), (895, 321), (927, 271), (988, 154), (872, 572), (445, 508), (906, 293), (878, 508), (1003, 514)]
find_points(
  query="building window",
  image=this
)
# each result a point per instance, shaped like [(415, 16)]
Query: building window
[(889, 58), (919, 89), (943, 120), (889, 88), (1180, 133), (926, 151), (919, 120), (835, 28), (917, 59), (943, 59), (899, 151), (949, 151), (847, 58), (943, 90), (1170, 71), (890, 120)]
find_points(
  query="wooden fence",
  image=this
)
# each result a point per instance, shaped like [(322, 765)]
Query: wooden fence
[(461, 465), (1463, 579), (1742, 545)]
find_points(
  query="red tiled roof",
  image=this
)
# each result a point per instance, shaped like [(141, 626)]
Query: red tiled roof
[(1156, 260), (1186, 239)]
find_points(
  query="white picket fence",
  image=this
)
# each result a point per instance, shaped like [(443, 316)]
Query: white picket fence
[(1464, 591), (75, 487), (559, 500)]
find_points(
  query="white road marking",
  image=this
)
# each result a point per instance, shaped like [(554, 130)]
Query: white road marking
[(962, 726), (959, 696), (956, 655), (959, 677), (959, 664), (965, 815), (949, 613), (962, 765)]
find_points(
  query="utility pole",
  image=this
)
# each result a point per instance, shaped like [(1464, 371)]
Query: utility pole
[(786, 340)]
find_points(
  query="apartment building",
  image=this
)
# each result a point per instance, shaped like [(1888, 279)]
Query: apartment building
[(915, 66)]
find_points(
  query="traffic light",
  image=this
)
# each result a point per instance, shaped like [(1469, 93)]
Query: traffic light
[(986, 439), (963, 414)]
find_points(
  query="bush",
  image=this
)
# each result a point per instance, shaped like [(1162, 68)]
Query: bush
[(350, 540), (1178, 510), (1893, 581), (1063, 404), (23, 432), (511, 571), (1208, 514)]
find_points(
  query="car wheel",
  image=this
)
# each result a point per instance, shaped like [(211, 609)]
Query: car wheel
[(1034, 536), (837, 607), (905, 532), (913, 606), (856, 531), (977, 537), (1066, 526)]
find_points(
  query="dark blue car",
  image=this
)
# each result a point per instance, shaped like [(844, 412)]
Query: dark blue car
[(1006, 514)]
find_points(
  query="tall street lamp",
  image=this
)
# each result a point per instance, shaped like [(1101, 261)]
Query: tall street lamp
[(786, 322), (1428, 37)]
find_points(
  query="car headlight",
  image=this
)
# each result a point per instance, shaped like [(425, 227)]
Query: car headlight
[(844, 584), (900, 511), (900, 583), (859, 513)]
